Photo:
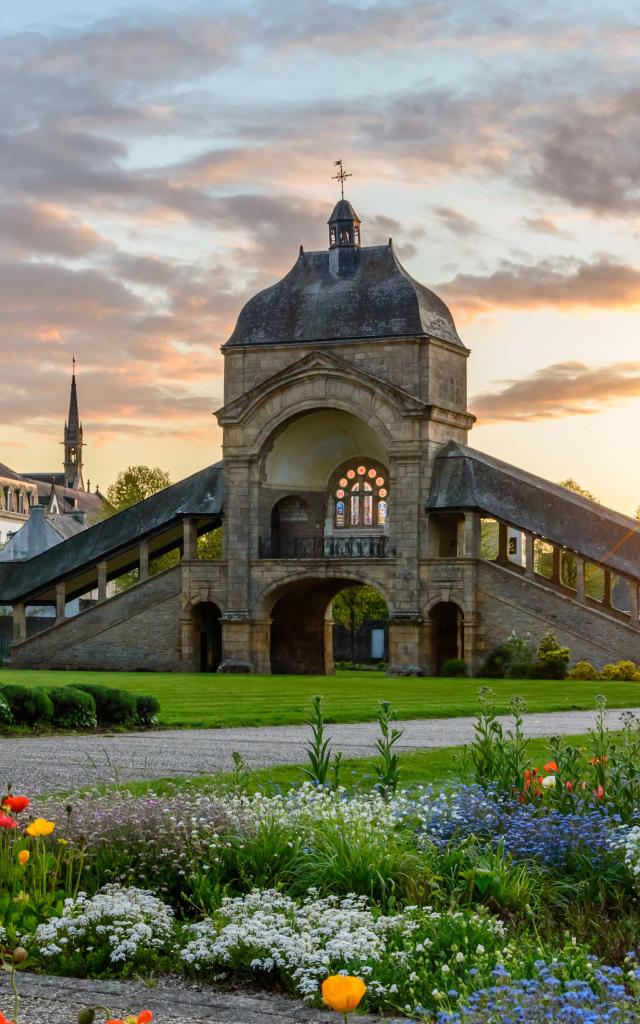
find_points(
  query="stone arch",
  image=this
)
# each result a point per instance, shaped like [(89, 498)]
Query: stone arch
[(301, 639), (446, 619), (267, 597)]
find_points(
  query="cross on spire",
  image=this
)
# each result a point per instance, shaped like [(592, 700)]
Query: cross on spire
[(341, 176)]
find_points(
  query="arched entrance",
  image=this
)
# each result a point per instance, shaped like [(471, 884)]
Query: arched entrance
[(302, 627), (448, 633), (208, 636)]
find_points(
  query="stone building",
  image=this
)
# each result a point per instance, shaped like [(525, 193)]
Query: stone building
[(345, 460)]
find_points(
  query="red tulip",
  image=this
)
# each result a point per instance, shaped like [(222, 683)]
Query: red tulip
[(7, 822), (16, 803)]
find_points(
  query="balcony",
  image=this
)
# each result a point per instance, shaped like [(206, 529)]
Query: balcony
[(374, 546)]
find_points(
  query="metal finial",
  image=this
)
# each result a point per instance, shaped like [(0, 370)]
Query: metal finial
[(73, 364), (341, 176)]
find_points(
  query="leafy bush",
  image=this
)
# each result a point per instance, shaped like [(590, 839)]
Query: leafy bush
[(553, 660), (496, 664), (29, 705), (583, 670), (623, 670), (113, 707), (6, 718), (512, 660), (454, 667), (117, 931), (72, 708), (147, 711)]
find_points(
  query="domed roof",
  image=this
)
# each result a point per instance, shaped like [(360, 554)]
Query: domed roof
[(320, 300), (343, 210)]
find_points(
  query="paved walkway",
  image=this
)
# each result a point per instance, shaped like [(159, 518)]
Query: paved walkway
[(54, 763), (172, 1000)]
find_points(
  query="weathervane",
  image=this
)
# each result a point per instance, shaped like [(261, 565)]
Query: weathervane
[(341, 176)]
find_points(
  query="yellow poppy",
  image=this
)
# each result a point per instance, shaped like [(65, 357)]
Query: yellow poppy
[(40, 827), (342, 992)]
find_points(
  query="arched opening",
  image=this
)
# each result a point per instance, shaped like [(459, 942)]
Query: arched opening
[(302, 627), (208, 636), (448, 634), (291, 528)]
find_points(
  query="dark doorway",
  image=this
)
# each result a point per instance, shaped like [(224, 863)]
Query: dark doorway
[(208, 636), (447, 632)]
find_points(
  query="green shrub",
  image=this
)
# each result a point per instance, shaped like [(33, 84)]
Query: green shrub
[(553, 660), (113, 707), (28, 705), (147, 711), (583, 670), (73, 708), (496, 664), (6, 718), (623, 670), (454, 667)]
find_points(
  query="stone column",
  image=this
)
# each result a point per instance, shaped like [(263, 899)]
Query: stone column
[(102, 581), (528, 555), (61, 600), (143, 555), (580, 592), (469, 653), (606, 597), (237, 644), (503, 544), (471, 535), (187, 644), (404, 523), (19, 623), (189, 536), (406, 647)]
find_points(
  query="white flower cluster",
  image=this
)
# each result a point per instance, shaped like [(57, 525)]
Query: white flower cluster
[(312, 804), (126, 920), (267, 931), (630, 843)]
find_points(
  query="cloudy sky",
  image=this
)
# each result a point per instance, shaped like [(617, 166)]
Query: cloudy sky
[(159, 167)]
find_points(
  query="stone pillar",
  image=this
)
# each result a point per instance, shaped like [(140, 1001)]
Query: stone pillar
[(633, 603), (404, 523), (187, 644), (237, 535), (19, 623), (143, 555), (261, 646), (528, 555), (469, 651), (102, 581), (189, 537), (580, 592), (471, 535), (329, 664), (407, 655), (433, 537), (606, 597), (503, 544), (555, 564), (237, 647), (61, 600)]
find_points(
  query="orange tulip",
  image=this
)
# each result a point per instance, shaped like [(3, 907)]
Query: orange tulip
[(144, 1017), (342, 992), (551, 766), (23, 856)]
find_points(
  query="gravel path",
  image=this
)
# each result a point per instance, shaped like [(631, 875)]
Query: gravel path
[(58, 1000), (43, 764)]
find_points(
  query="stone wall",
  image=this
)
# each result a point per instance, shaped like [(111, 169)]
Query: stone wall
[(137, 629), (509, 602)]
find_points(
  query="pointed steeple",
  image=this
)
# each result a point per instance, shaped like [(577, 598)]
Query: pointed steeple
[(73, 442)]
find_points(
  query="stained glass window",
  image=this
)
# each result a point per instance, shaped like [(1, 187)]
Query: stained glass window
[(360, 493)]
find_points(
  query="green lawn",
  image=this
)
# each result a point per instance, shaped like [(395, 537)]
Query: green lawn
[(194, 700)]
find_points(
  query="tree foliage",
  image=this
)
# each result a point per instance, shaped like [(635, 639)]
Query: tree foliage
[(356, 605), (573, 485), (136, 483)]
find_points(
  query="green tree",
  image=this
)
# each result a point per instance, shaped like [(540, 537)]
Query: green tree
[(136, 483), (210, 544), (132, 485), (356, 605), (573, 485)]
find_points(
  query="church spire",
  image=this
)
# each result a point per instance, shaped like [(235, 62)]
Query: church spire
[(73, 442)]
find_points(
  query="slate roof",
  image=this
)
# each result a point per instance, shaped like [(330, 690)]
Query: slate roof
[(379, 299), (198, 495), (10, 474), (465, 478)]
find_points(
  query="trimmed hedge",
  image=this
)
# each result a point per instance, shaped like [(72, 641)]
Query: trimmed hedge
[(113, 707), (73, 708), (29, 705), (147, 711)]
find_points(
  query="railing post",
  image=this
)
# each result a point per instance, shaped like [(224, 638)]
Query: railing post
[(143, 556), (633, 603), (471, 535), (503, 544), (102, 581), (19, 622), (580, 591), (606, 597), (61, 600), (528, 554)]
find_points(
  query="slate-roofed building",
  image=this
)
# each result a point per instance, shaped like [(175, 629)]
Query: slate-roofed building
[(345, 461)]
